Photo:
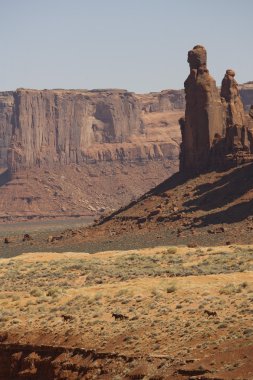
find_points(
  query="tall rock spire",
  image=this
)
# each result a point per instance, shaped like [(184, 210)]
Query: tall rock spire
[(234, 115), (203, 114)]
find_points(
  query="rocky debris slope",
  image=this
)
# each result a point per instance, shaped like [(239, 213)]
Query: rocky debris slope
[(210, 209), (75, 190)]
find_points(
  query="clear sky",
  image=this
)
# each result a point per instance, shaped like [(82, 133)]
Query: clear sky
[(139, 45)]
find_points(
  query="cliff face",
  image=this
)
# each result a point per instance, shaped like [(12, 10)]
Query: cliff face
[(246, 93), (79, 152), (40, 128), (6, 120)]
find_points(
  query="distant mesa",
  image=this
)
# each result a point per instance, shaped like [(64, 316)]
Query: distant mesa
[(215, 130)]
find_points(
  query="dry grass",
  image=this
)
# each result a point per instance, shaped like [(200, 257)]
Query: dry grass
[(164, 292)]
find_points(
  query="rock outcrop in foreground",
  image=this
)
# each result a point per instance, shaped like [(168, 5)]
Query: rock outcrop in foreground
[(215, 130)]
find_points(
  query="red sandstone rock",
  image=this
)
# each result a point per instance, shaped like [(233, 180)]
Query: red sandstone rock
[(203, 114), (234, 115), (41, 128), (215, 131)]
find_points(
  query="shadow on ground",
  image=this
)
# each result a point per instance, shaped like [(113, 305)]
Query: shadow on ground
[(236, 186)]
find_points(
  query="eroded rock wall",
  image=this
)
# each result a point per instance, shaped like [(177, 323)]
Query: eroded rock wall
[(246, 93), (41, 128), (6, 122), (59, 126)]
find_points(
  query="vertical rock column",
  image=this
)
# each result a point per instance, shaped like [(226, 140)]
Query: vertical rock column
[(203, 114), (250, 128), (234, 116)]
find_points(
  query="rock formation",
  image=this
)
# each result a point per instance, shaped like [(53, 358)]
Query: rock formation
[(236, 135), (44, 128), (6, 120), (203, 114), (250, 127), (246, 93), (79, 152), (215, 130)]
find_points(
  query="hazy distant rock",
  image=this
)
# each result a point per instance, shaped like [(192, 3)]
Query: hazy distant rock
[(59, 126), (68, 149)]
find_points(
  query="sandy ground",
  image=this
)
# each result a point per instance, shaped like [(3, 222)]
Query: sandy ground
[(163, 292)]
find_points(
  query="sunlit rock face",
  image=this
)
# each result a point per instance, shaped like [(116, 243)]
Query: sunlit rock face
[(42, 128)]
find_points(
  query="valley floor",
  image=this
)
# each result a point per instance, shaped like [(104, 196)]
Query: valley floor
[(187, 314)]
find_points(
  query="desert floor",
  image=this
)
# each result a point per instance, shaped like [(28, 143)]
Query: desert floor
[(163, 292)]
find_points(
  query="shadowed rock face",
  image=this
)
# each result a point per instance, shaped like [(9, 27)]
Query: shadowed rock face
[(203, 114), (250, 127)]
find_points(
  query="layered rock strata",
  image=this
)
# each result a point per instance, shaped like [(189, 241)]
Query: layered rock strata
[(246, 93), (44, 128), (80, 152)]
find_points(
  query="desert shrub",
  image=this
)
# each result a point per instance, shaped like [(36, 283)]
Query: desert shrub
[(171, 288), (98, 296), (53, 292), (222, 325), (15, 297), (172, 250), (155, 292), (15, 321), (36, 293), (230, 289), (244, 285)]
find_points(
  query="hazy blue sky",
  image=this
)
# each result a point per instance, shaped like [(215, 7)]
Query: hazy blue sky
[(140, 45)]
